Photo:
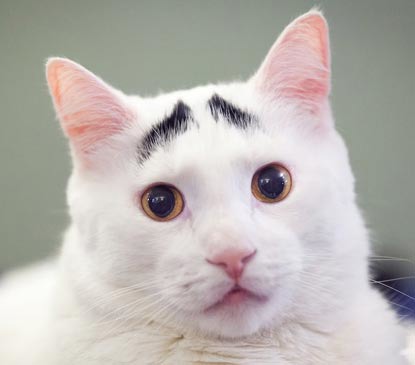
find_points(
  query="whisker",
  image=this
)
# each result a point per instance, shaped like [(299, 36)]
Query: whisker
[(402, 306), (395, 279), (391, 258), (392, 288)]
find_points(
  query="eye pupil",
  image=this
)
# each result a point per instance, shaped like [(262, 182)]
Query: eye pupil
[(271, 182), (161, 201)]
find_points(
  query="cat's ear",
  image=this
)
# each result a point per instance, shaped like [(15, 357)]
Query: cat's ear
[(89, 110), (297, 67)]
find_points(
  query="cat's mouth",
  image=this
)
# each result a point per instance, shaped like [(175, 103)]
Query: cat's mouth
[(235, 297)]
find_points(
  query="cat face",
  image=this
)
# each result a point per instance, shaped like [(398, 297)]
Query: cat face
[(222, 207)]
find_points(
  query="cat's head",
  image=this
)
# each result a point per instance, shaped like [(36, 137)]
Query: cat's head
[(224, 208)]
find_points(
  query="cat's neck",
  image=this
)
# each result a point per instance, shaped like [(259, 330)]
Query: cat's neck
[(157, 343)]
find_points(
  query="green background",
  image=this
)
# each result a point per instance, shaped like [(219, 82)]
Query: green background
[(147, 46)]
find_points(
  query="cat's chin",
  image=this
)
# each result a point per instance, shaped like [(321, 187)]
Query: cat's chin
[(238, 314)]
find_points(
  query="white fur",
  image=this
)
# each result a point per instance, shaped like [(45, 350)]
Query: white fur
[(130, 290)]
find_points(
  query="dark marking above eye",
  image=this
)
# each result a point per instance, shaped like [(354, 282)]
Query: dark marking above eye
[(232, 114), (174, 124)]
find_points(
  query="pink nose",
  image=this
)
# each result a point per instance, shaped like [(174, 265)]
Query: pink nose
[(233, 260)]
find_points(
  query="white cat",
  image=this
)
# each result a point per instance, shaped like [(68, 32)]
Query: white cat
[(216, 225)]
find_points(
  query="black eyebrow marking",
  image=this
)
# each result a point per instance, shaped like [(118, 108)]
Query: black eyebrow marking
[(174, 124), (234, 115)]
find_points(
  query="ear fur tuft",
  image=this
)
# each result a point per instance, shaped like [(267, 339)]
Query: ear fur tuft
[(90, 111), (298, 65)]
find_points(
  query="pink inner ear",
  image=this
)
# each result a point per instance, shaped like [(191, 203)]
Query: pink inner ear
[(298, 65), (90, 111)]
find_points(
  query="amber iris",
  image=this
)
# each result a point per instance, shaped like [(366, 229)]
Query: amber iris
[(162, 202), (271, 183)]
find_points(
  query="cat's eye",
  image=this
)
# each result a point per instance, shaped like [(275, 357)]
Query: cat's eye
[(162, 202), (271, 183)]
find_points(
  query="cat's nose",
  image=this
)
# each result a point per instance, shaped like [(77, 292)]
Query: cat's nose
[(233, 260)]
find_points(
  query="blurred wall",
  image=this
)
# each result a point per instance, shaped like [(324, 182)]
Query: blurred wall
[(147, 46)]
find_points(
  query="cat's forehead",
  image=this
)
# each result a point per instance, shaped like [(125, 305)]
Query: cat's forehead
[(217, 118)]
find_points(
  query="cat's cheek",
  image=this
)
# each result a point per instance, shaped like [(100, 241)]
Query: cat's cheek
[(185, 214), (256, 204)]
